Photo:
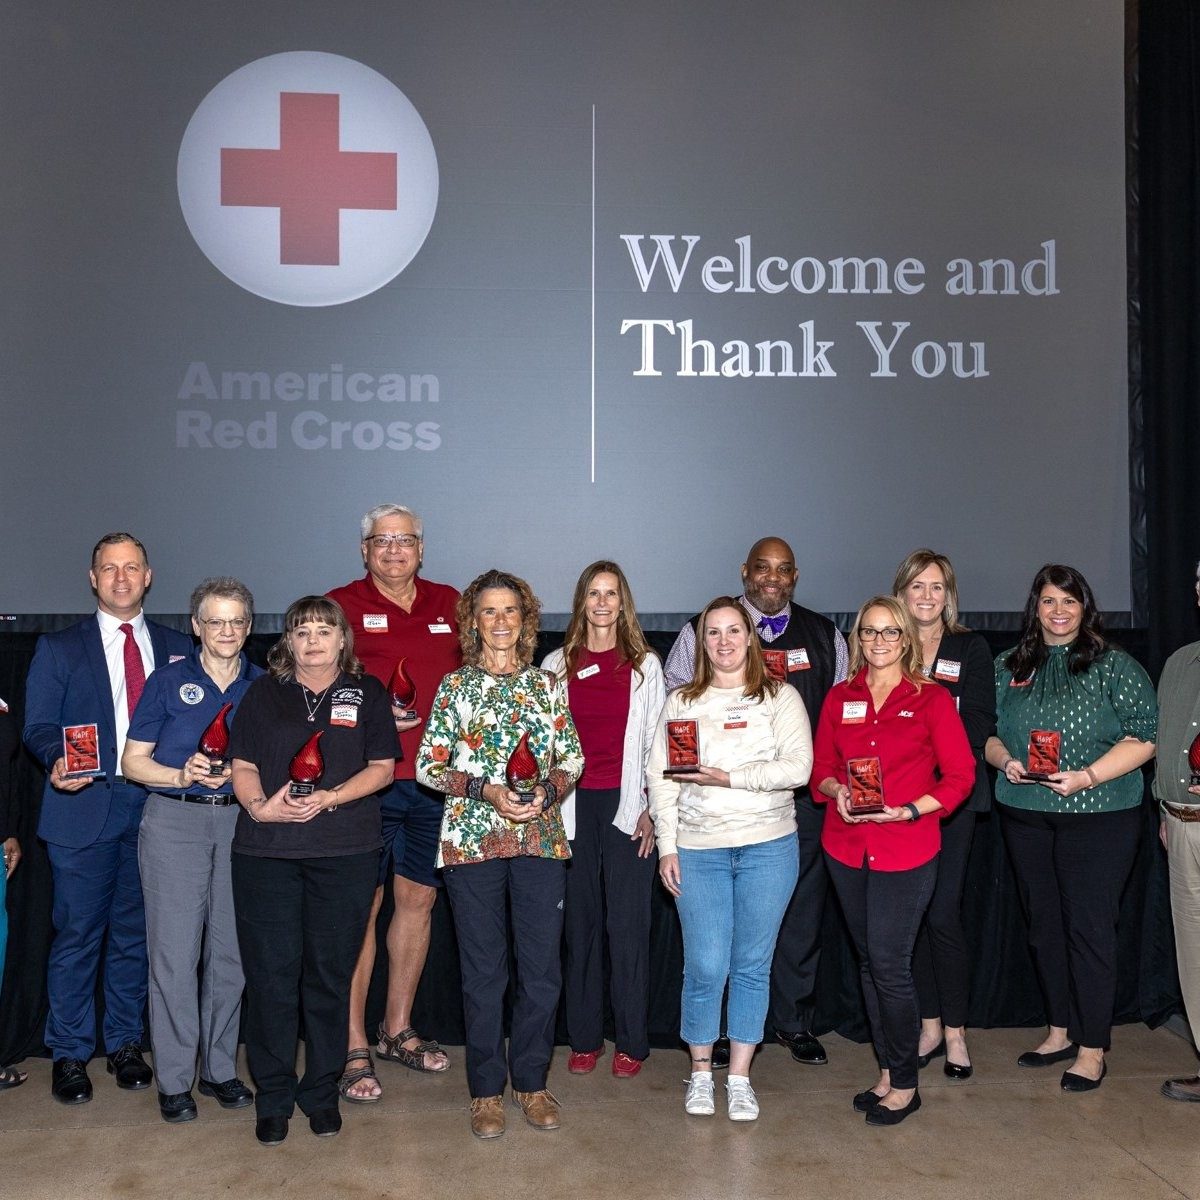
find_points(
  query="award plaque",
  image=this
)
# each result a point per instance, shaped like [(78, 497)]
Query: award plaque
[(522, 771), (306, 768), (865, 776), (403, 692), (81, 752), (1044, 745), (776, 662), (1194, 760), (683, 748), (214, 741)]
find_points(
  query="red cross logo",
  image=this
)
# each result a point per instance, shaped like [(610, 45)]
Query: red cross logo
[(310, 179)]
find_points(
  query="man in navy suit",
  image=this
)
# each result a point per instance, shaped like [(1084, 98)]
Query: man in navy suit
[(92, 674)]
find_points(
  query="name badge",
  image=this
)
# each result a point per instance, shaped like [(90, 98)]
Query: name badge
[(797, 660), (374, 622), (587, 672), (854, 712), (440, 627), (947, 670), (735, 718), (345, 715)]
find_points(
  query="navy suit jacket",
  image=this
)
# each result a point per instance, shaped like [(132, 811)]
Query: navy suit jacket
[(68, 684)]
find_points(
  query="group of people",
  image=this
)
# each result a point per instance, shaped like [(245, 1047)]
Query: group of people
[(244, 824)]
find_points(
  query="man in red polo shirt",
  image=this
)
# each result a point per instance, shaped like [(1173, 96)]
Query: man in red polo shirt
[(396, 615)]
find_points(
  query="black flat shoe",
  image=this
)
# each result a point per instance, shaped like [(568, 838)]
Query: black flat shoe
[(325, 1122), (923, 1060), (865, 1101), (131, 1070), (1081, 1083), (69, 1082), (957, 1070), (176, 1107), (270, 1131), (804, 1047), (720, 1054), (1031, 1058), (879, 1115), (233, 1093)]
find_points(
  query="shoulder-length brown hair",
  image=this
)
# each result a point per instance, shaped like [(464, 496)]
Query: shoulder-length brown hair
[(631, 642), (757, 683), (468, 628), (280, 659), (917, 562), (911, 661)]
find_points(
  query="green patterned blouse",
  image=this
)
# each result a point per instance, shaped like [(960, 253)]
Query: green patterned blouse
[(1111, 700), (476, 722)]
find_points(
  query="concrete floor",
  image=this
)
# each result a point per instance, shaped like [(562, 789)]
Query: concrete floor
[(1005, 1133)]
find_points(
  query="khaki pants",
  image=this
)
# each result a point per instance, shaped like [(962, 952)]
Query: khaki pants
[(1183, 858)]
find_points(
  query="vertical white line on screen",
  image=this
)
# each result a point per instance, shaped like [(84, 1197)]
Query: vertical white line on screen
[(593, 293)]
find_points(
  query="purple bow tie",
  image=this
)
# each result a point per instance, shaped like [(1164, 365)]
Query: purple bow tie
[(775, 624)]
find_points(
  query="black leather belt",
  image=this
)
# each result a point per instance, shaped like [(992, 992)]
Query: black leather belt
[(216, 799), (1182, 812)]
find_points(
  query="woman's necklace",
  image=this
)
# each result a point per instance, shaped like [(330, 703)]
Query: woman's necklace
[(313, 705)]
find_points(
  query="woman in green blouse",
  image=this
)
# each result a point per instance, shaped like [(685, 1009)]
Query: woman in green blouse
[(502, 841), (1071, 824)]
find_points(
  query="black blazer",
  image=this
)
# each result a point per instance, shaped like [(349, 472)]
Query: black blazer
[(974, 692)]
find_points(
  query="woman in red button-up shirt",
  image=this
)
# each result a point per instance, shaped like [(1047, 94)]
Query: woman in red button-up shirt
[(906, 738)]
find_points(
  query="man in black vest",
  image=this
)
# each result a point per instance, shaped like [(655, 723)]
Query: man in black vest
[(806, 649)]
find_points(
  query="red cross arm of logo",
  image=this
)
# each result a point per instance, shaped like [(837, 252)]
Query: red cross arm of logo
[(310, 179)]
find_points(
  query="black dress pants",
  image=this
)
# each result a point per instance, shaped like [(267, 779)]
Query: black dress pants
[(883, 912), (608, 890), (798, 946), (300, 924), (1071, 869), (480, 897), (941, 965)]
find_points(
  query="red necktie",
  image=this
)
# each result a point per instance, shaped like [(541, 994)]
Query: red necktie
[(135, 673)]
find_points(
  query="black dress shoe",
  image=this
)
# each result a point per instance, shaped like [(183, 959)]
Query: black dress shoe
[(233, 1093), (1031, 1058), (176, 1107), (130, 1068), (879, 1115), (1081, 1083), (957, 1070), (69, 1082), (865, 1101), (271, 1130), (325, 1122), (720, 1054), (804, 1047), (923, 1060)]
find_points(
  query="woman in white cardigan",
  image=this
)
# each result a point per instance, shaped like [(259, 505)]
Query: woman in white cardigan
[(615, 692)]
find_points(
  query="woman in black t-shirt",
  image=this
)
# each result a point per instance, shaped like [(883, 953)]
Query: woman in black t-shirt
[(305, 865)]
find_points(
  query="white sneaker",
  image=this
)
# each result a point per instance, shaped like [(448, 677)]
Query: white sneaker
[(743, 1104), (699, 1098)]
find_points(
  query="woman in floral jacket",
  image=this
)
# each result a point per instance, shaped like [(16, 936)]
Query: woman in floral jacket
[(501, 744)]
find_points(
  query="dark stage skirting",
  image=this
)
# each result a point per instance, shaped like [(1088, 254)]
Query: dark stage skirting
[(1004, 991)]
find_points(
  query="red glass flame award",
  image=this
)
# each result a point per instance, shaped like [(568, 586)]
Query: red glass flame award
[(81, 752), (522, 771), (865, 776), (403, 693), (306, 768), (214, 741), (1194, 760), (1044, 745), (683, 748)]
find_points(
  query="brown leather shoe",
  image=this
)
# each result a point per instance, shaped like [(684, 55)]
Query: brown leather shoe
[(540, 1108), (487, 1116)]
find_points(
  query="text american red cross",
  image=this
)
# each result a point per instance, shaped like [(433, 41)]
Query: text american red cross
[(309, 179)]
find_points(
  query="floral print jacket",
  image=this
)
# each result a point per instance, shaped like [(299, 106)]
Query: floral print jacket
[(476, 721)]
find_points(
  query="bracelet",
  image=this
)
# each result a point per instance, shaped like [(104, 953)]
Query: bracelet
[(1092, 776), (334, 806), (551, 794), (913, 811), (1004, 766), (250, 808), (475, 786)]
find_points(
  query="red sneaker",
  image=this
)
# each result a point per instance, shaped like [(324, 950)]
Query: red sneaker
[(625, 1066), (583, 1062)]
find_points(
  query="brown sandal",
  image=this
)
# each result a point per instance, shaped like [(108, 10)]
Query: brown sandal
[(390, 1047), (356, 1075)]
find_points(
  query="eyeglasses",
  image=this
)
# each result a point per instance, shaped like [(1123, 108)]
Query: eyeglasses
[(889, 633), (381, 541), (215, 624)]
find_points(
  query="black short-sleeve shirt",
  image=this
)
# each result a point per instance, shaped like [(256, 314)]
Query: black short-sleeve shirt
[(272, 724)]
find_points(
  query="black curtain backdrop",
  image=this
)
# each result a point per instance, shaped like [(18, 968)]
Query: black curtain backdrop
[(1164, 99)]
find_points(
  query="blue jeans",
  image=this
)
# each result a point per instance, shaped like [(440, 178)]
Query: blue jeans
[(731, 905)]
